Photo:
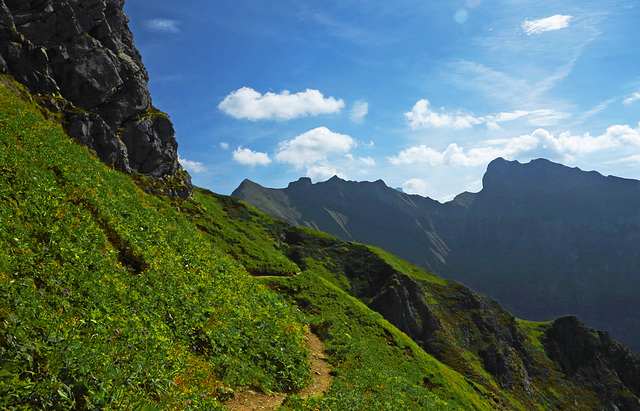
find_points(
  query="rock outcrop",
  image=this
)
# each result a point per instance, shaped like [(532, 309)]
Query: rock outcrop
[(473, 334), (79, 58), (593, 358)]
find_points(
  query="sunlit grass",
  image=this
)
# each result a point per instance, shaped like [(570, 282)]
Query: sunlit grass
[(112, 298)]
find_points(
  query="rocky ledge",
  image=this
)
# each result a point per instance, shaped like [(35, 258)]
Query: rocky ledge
[(79, 58)]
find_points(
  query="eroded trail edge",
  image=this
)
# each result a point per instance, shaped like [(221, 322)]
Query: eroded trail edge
[(320, 382)]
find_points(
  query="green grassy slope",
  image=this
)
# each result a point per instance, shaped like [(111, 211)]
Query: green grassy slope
[(110, 296), (113, 298)]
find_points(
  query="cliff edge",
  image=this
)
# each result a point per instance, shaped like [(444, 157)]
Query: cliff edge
[(79, 59)]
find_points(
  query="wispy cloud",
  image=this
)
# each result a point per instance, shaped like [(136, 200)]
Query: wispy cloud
[(368, 161), (629, 100), (564, 145), (631, 159), (358, 112), (246, 103), (421, 115), (552, 23), (313, 146), (250, 158), (163, 25), (194, 167)]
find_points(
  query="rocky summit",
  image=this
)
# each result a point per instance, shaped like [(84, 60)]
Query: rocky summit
[(78, 58)]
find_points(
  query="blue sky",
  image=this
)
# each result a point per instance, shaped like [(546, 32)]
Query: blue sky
[(422, 94)]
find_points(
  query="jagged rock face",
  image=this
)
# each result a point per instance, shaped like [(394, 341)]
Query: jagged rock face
[(83, 51), (400, 302), (592, 358)]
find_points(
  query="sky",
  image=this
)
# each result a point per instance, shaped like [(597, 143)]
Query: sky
[(421, 94)]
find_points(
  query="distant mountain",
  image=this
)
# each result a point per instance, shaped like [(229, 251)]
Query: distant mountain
[(372, 213), (542, 238)]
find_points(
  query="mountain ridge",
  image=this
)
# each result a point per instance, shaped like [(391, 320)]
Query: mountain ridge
[(542, 238)]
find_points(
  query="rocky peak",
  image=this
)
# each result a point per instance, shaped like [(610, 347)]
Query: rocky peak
[(79, 58), (302, 182)]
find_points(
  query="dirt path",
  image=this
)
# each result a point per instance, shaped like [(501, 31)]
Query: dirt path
[(320, 382)]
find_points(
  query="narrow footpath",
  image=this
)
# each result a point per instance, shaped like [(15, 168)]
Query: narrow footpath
[(320, 382)]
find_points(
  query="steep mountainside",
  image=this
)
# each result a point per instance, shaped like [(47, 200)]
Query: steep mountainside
[(114, 298), (359, 212), (79, 59), (550, 240), (543, 239)]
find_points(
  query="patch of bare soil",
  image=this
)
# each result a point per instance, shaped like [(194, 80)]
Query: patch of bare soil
[(320, 382)]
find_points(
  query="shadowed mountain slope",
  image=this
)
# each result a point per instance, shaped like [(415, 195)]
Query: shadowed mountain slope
[(543, 239)]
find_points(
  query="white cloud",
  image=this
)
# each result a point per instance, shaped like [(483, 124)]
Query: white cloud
[(323, 172), (247, 157), (194, 167), (246, 103), (631, 99), (358, 112), (416, 186), (552, 23), (368, 161), (565, 145), (422, 116), (163, 25), (224, 146), (313, 146), (630, 159)]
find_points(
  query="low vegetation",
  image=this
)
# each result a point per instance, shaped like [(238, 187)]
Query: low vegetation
[(111, 298)]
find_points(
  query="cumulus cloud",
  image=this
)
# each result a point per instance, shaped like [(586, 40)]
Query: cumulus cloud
[(565, 144), (635, 96), (416, 186), (323, 172), (194, 167), (224, 146), (246, 103), (358, 112), (423, 116), (163, 25), (552, 23), (313, 146), (251, 158)]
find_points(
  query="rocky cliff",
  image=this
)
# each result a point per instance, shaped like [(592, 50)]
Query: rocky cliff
[(79, 59)]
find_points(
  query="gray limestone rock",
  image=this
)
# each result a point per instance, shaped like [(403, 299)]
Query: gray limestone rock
[(83, 52)]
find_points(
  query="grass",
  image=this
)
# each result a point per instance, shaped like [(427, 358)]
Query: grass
[(111, 298)]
